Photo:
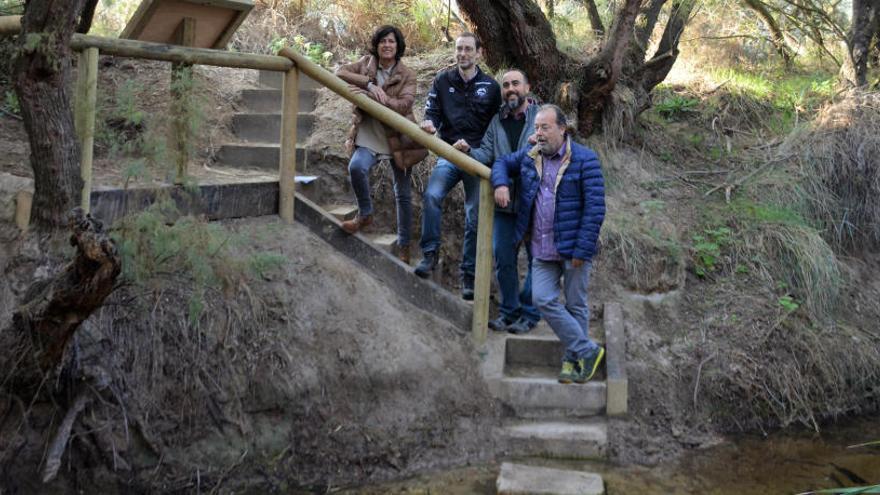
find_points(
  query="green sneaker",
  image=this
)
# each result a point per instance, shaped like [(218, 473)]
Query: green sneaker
[(587, 366), (568, 373)]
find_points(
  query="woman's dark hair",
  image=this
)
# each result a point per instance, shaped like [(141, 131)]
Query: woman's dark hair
[(383, 32)]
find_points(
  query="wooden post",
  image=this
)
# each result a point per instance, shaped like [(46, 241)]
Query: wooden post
[(24, 201), (482, 280), (86, 100), (287, 165), (10, 25), (181, 79)]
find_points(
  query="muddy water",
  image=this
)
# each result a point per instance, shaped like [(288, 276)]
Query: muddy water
[(781, 463)]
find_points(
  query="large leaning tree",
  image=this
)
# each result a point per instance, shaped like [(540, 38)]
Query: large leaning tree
[(42, 78), (516, 33)]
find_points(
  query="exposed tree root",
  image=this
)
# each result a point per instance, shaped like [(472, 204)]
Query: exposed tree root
[(62, 437), (54, 309)]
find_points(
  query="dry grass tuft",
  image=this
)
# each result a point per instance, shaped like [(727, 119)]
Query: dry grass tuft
[(840, 170), (644, 248), (795, 258), (791, 373)]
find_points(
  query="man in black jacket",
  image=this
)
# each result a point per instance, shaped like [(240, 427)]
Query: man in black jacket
[(461, 102)]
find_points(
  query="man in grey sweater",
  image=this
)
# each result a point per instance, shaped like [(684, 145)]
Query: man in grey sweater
[(509, 131)]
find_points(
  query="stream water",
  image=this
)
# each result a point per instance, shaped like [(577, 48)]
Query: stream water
[(781, 463)]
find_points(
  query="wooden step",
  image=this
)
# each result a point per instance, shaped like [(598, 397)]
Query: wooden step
[(266, 127), (274, 79), (262, 156), (560, 439), (522, 479), (384, 241), (342, 212), (544, 397), (269, 100)]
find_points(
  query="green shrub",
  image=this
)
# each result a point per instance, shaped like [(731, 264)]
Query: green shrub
[(773, 243), (313, 50), (676, 106), (707, 249), (836, 160), (644, 247), (11, 103), (160, 244)]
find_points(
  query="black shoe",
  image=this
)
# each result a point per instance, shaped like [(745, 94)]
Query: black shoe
[(426, 266), (521, 326), (467, 289), (499, 324)]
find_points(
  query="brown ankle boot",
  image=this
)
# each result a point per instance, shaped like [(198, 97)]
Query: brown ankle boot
[(359, 222), (403, 253)]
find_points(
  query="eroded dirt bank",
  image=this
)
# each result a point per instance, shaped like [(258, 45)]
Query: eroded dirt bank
[(310, 375)]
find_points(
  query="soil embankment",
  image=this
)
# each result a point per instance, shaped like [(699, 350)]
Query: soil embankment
[(312, 374)]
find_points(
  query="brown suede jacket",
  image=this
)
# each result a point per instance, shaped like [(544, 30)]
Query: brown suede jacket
[(401, 91)]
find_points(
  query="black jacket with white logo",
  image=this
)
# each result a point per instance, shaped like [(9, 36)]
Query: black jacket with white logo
[(461, 109)]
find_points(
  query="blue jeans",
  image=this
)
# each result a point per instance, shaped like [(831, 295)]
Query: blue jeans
[(362, 160), (514, 304), (570, 322), (443, 178)]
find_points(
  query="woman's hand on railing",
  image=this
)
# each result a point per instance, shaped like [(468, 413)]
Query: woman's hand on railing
[(377, 93), (502, 196), (358, 91)]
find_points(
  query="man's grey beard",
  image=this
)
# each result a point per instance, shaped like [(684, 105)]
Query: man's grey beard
[(514, 103)]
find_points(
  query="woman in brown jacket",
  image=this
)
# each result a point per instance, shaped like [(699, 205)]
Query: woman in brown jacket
[(383, 77)]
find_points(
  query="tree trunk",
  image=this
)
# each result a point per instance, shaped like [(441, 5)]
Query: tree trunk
[(88, 14), (854, 71), (42, 83), (655, 70), (595, 18), (527, 41), (645, 24), (777, 37), (603, 72)]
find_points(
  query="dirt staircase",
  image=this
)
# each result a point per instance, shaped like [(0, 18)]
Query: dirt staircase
[(258, 128), (546, 419), (257, 146), (543, 418)]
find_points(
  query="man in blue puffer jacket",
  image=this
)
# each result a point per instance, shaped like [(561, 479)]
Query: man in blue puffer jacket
[(561, 206)]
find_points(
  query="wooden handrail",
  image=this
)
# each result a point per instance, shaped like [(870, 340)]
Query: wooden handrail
[(386, 115), (180, 54), (483, 275), (291, 63), (11, 25)]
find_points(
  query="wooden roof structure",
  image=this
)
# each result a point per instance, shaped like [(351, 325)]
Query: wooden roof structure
[(215, 21)]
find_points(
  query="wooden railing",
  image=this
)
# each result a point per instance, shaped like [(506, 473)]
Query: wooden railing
[(291, 64)]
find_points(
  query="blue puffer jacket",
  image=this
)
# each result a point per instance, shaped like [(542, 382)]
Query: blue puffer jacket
[(580, 197)]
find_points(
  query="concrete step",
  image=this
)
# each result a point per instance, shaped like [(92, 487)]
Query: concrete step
[(537, 356), (266, 127), (585, 439), (342, 212), (274, 80), (545, 397), (522, 479), (263, 156), (384, 241), (269, 100)]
